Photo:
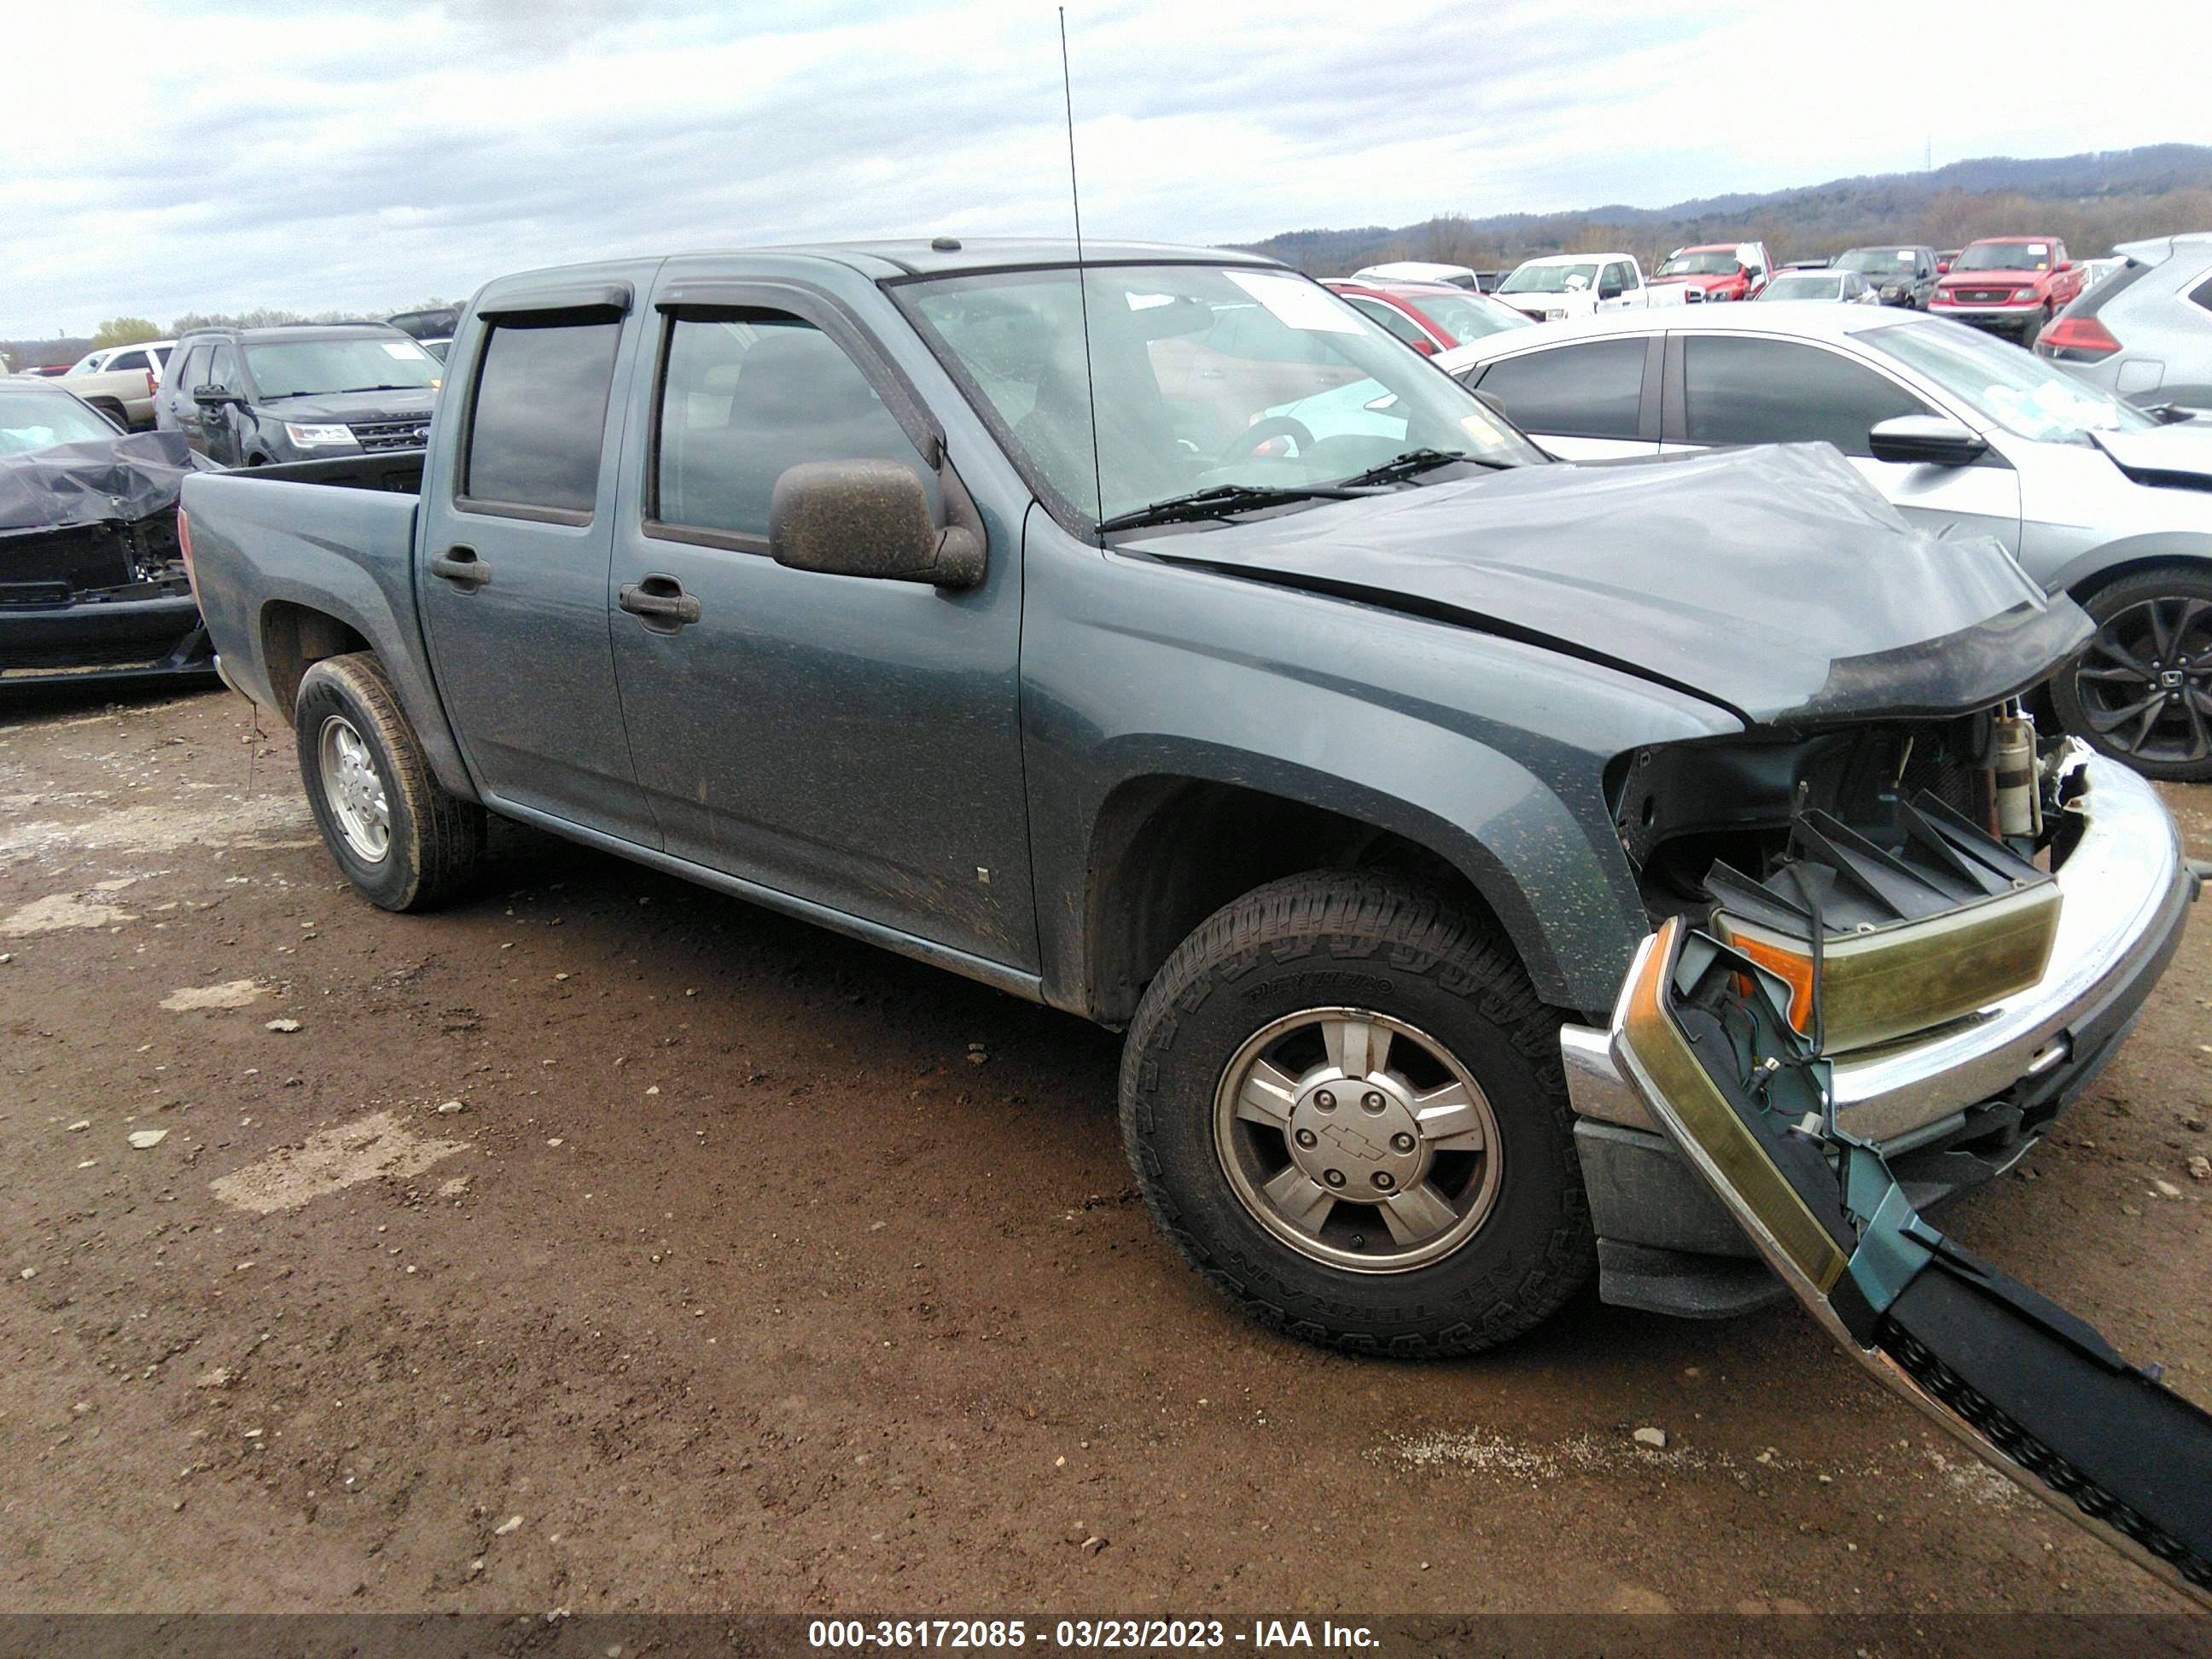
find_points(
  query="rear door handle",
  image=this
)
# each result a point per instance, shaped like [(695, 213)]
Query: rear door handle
[(661, 602), (461, 567)]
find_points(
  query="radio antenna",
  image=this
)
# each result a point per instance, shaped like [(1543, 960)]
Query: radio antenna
[(1082, 287)]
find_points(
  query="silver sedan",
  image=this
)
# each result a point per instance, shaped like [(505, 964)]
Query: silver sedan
[(1963, 433)]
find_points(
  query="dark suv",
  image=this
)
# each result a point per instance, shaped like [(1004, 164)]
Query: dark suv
[(251, 396)]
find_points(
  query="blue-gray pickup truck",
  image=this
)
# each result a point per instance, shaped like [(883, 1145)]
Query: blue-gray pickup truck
[(1155, 637)]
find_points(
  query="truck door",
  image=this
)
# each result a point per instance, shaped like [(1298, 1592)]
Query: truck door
[(515, 532), (850, 741)]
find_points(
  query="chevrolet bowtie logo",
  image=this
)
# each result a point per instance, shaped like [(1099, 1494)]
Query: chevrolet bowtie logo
[(1352, 1144)]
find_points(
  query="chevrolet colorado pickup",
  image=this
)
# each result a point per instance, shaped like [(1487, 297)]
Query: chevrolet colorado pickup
[(1155, 637)]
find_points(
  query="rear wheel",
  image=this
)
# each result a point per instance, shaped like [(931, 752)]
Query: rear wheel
[(2142, 691), (1345, 1105), (402, 837)]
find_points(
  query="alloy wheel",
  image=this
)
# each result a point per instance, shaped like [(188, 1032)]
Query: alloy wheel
[(2145, 682), (1358, 1139), (354, 790)]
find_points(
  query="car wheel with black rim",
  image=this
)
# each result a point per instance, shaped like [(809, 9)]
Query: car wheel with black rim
[(2142, 691), (1344, 1103), (402, 837)]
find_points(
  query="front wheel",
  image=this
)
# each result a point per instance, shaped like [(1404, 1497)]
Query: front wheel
[(402, 837), (2142, 690), (1345, 1105)]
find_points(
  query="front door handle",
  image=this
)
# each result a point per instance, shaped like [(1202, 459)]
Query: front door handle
[(661, 602), (461, 567)]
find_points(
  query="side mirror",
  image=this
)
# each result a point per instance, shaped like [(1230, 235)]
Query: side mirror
[(1423, 344), (2065, 264), (1494, 402), (1610, 290), (1942, 267), (866, 519), (1925, 440), (212, 396)]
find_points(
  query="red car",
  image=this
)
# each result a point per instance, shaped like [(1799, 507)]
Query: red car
[(1716, 271), (2008, 285), (1429, 317), (48, 370)]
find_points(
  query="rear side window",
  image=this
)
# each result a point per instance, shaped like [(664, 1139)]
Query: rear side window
[(1777, 392), (747, 395), (539, 419), (1592, 389)]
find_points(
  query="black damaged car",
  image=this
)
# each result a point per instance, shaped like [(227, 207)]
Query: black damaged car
[(93, 583)]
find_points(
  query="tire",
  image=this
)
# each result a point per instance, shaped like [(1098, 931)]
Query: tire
[(2031, 330), (2141, 693), (1457, 998), (114, 412), (364, 769)]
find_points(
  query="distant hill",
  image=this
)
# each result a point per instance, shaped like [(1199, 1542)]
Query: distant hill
[(32, 353), (2091, 201)]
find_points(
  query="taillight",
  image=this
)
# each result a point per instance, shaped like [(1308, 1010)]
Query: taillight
[(185, 548), (2083, 334), (151, 383)]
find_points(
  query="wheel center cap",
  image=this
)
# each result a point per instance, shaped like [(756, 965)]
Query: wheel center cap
[(1357, 1138), (2171, 679)]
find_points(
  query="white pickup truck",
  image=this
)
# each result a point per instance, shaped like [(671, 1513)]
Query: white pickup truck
[(1563, 285)]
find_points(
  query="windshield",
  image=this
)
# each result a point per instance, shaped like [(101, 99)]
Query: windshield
[(1467, 316), (1203, 377), (39, 420), (1802, 288), (1547, 279), (2014, 388), (291, 368), (1880, 261), (2004, 256), (1700, 264)]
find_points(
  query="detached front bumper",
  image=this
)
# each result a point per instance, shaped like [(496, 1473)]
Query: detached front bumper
[(1950, 1109)]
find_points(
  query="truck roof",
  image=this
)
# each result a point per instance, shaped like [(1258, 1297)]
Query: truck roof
[(951, 255)]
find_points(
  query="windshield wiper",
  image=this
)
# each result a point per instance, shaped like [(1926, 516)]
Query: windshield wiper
[(1412, 461), (347, 390), (1220, 501)]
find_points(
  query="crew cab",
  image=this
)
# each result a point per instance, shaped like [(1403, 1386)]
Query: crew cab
[(1159, 639), (1560, 286), (1715, 271), (2010, 285)]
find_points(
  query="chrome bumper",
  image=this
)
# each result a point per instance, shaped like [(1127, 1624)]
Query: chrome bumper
[(2125, 884)]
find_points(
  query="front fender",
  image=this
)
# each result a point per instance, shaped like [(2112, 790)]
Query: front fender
[(1488, 752), (2092, 569)]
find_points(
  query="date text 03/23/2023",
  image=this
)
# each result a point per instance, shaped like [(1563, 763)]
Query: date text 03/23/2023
[(1258, 1636)]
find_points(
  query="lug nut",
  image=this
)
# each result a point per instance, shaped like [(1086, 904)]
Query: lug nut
[(1372, 1101), (1304, 1136), (1335, 1177), (1402, 1141), (1325, 1101), (1384, 1180)]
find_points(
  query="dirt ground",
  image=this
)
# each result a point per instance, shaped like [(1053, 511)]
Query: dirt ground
[(759, 1269)]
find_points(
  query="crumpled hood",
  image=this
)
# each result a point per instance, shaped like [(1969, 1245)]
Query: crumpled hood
[(410, 404), (1772, 580), (126, 477)]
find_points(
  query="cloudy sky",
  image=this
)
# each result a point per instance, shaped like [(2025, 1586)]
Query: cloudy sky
[(171, 155)]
